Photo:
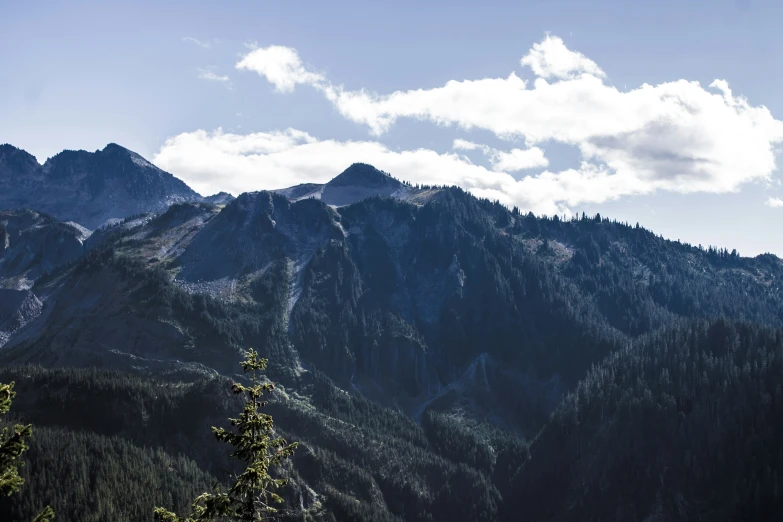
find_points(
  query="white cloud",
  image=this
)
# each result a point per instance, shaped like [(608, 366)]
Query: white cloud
[(281, 67), (774, 202), (512, 161), (206, 74), (552, 59), (676, 136), (215, 161), (204, 45), (519, 159), (460, 144)]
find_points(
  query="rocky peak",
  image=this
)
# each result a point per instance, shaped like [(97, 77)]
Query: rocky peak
[(358, 182), (221, 198), (16, 163), (364, 175), (31, 244), (89, 188)]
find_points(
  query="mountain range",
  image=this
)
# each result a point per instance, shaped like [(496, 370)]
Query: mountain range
[(89, 188), (440, 356)]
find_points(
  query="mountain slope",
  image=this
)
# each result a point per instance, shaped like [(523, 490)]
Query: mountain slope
[(32, 244), (419, 335), (392, 299)]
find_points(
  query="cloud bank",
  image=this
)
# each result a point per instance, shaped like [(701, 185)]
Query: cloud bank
[(676, 136), (214, 161)]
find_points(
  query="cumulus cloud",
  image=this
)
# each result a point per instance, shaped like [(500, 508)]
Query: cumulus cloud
[(677, 136), (774, 202), (280, 66), (511, 161), (519, 159), (552, 59)]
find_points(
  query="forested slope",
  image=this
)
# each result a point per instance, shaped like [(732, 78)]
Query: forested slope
[(439, 357)]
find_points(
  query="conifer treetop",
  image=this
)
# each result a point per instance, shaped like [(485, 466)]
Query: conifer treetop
[(252, 495)]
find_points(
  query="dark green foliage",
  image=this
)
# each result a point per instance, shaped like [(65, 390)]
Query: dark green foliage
[(92, 478), (252, 493), (214, 330), (147, 412), (14, 442), (12, 445), (460, 442), (351, 448), (685, 423)]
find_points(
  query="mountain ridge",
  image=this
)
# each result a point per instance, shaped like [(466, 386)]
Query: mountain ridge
[(438, 355), (88, 188)]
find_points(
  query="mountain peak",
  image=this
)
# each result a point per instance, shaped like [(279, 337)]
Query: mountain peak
[(114, 150), (221, 198), (7, 148), (88, 187), (364, 175), (113, 146), (118, 151), (16, 158)]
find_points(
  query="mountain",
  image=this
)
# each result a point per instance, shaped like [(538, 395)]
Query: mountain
[(451, 301), (32, 244), (88, 188), (221, 198), (359, 181), (17, 308), (439, 356)]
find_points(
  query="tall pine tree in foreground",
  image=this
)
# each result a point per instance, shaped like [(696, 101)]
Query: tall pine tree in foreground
[(12, 445), (251, 497)]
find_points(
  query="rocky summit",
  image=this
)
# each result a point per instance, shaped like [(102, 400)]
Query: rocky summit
[(89, 188)]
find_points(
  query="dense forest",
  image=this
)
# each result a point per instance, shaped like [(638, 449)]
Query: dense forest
[(681, 424), (684, 424)]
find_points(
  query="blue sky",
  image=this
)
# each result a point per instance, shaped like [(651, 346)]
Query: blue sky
[(424, 91)]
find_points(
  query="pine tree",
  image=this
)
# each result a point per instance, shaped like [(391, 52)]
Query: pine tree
[(12, 445), (251, 496)]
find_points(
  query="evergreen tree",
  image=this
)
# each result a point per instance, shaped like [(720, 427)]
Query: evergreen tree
[(251, 496), (11, 448)]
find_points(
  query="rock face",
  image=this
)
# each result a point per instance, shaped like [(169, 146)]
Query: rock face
[(88, 187), (32, 244), (17, 308), (254, 230), (20, 177)]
